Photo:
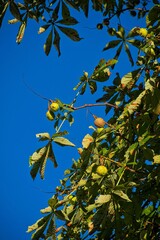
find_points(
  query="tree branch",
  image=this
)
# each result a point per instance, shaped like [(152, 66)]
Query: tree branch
[(95, 105)]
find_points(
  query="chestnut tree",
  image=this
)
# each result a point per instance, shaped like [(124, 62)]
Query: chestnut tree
[(112, 190)]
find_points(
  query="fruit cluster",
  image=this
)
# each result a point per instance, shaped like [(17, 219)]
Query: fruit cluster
[(54, 106)]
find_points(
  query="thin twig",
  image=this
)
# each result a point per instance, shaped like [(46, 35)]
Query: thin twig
[(95, 105)]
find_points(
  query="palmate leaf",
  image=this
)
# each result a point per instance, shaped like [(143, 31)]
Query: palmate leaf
[(48, 44), (71, 33)]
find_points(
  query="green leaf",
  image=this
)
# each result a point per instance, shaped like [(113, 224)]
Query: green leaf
[(48, 44), (71, 33), (21, 32), (112, 44), (56, 41), (56, 11), (122, 195), (43, 136), (52, 201), (65, 11), (101, 72), (93, 86), (35, 169), (135, 42), (52, 157), (129, 54), (14, 10), (153, 15), (61, 215), (63, 141), (3, 9), (68, 21)]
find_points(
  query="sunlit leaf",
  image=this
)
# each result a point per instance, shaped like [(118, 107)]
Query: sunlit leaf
[(103, 199), (37, 155), (156, 159), (43, 136), (122, 195), (43, 28), (21, 32), (87, 140), (130, 78), (46, 210), (63, 141)]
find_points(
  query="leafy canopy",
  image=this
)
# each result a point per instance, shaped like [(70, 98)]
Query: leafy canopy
[(121, 202)]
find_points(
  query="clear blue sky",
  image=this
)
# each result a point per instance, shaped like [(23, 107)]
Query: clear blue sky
[(23, 113)]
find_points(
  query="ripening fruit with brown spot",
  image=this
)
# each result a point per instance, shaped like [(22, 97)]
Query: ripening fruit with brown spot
[(99, 122)]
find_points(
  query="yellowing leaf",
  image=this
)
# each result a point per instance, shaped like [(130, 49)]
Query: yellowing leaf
[(87, 140)]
